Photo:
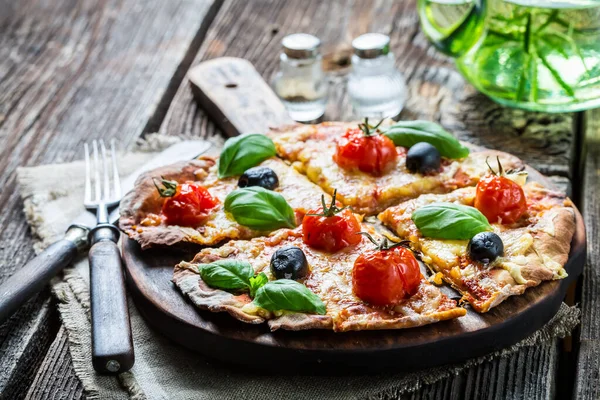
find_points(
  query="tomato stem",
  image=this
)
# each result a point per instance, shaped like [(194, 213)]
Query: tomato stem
[(384, 244), (500, 169), (332, 210), (369, 130), (169, 189)]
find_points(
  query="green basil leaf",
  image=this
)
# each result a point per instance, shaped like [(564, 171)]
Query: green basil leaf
[(409, 133), (243, 152), (260, 209), (227, 274), (450, 221), (256, 282), (286, 294)]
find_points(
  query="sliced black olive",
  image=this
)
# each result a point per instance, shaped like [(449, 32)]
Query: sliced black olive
[(485, 247), (259, 176), (289, 263), (423, 158)]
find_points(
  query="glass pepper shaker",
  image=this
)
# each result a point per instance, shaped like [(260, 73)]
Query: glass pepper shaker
[(376, 88), (300, 82)]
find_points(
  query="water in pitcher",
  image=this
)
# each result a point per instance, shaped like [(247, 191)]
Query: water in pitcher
[(536, 54)]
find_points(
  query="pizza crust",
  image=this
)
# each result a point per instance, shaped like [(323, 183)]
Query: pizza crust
[(144, 200), (211, 299)]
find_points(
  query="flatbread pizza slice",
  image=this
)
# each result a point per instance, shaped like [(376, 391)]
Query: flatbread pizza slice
[(504, 260), (151, 217), (370, 172), (328, 277)]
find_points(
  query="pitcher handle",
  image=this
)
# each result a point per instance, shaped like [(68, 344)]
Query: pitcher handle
[(458, 39)]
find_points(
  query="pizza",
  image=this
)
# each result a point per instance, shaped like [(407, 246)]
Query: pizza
[(280, 224), (147, 217), (524, 249), (329, 277), (312, 150)]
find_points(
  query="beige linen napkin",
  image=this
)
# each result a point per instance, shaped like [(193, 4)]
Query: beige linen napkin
[(53, 196)]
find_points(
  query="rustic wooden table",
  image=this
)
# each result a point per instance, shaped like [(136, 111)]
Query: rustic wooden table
[(74, 70)]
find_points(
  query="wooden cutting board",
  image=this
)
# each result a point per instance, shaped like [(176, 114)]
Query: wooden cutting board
[(233, 92)]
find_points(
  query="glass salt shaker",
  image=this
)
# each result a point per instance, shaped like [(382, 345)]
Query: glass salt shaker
[(300, 82), (376, 88)]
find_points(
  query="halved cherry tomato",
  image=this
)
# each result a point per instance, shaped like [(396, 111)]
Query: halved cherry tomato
[(374, 154), (386, 277), (500, 199), (189, 206), (330, 228)]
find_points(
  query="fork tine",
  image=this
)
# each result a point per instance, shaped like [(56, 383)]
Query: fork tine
[(105, 167), (116, 180), (88, 183), (97, 187)]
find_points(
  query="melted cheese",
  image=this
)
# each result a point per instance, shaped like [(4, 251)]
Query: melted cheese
[(450, 256), (299, 192), (330, 277), (312, 149)]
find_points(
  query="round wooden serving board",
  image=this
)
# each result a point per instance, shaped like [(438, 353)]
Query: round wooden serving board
[(220, 336), (239, 101)]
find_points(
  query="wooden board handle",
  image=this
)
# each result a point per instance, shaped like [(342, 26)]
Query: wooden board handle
[(236, 97), (112, 344)]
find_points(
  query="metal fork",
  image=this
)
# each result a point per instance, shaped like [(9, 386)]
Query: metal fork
[(112, 344)]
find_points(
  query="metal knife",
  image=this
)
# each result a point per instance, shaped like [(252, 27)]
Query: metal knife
[(32, 278)]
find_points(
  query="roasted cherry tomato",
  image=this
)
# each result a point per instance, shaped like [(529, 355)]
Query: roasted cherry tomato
[(330, 228), (386, 276), (367, 150), (188, 204), (499, 198)]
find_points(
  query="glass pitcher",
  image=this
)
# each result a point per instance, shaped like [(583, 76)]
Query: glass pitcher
[(541, 55)]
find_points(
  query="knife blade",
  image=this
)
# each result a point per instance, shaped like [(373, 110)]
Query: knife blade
[(32, 277)]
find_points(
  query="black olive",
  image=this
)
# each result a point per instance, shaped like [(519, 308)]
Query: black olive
[(423, 158), (485, 247), (259, 176), (289, 263)]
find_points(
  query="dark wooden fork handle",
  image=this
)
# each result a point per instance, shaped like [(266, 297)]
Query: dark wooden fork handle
[(36, 274), (112, 344)]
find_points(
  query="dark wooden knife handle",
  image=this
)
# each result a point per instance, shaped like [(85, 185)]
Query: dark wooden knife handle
[(36, 274), (112, 344)]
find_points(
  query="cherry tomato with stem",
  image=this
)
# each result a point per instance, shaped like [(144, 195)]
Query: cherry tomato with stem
[(330, 228), (499, 198), (187, 204), (386, 275), (367, 150)]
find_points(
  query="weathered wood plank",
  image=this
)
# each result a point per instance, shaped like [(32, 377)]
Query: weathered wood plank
[(264, 23), (56, 378), (524, 375), (25, 338), (588, 372), (437, 92), (71, 71)]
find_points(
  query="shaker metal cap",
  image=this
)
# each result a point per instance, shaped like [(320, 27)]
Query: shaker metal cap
[(371, 45), (301, 45)]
